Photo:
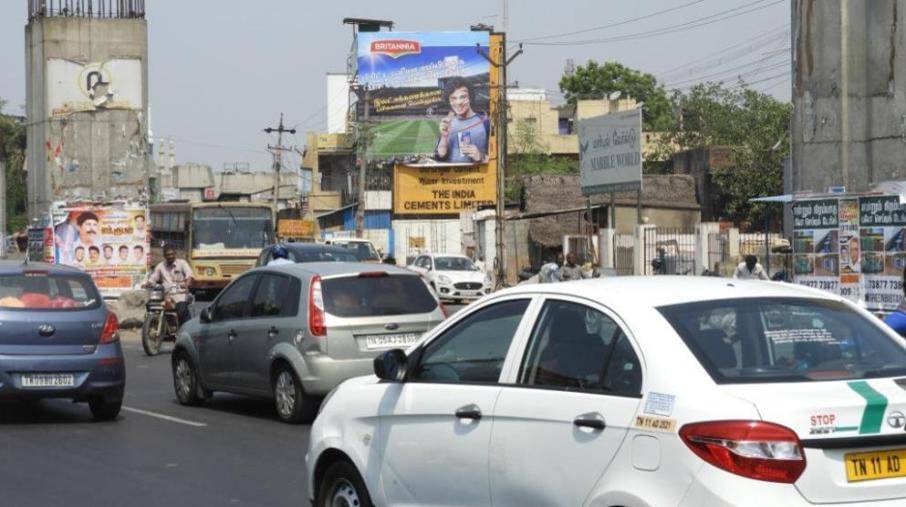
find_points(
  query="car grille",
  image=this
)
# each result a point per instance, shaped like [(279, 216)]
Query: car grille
[(467, 285), (234, 269)]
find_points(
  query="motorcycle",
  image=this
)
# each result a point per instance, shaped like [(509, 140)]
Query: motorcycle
[(161, 320)]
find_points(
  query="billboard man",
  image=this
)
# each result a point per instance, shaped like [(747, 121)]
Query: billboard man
[(108, 254), (139, 230), (138, 254), (463, 132), (94, 256), (79, 258), (88, 228), (124, 254)]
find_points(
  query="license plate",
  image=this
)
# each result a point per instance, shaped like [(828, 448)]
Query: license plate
[(869, 466), (48, 380), (388, 341)]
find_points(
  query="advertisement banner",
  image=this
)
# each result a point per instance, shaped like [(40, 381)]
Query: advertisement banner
[(446, 190), (816, 244), (883, 227), (429, 94), (111, 243), (610, 152), (818, 214)]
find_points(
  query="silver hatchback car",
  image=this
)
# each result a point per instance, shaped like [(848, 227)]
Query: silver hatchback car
[(294, 332)]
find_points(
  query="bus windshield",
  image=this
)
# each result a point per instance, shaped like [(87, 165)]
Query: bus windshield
[(232, 228)]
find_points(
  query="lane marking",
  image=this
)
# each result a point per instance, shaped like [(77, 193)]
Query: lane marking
[(165, 417)]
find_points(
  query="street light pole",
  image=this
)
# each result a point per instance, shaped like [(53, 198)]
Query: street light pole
[(501, 63)]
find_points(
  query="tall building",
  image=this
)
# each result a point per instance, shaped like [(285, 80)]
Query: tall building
[(86, 101)]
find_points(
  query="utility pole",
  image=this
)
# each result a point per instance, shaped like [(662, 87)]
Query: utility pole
[(277, 152), (501, 63), (3, 211), (363, 133)]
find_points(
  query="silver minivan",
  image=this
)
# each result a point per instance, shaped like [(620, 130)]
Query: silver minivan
[(294, 332)]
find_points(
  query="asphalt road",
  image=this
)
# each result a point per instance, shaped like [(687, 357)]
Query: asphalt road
[(232, 451)]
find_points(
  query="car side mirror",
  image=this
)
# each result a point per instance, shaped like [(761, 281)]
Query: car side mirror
[(205, 316), (391, 365)]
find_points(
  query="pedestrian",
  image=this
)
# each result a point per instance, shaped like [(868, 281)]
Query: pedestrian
[(570, 270), (897, 319), (550, 272), (750, 269)]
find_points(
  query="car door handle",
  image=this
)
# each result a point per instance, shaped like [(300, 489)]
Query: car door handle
[(273, 331), (593, 421), (469, 412)]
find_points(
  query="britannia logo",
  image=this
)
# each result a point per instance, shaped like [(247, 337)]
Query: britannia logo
[(396, 48), (896, 420)]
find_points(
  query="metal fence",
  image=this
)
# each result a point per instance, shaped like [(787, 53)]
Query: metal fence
[(718, 250), (624, 254), (674, 248), (122, 9)]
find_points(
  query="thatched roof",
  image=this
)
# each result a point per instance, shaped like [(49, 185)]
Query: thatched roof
[(551, 193)]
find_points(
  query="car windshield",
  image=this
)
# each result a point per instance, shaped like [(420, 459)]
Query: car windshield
[(368, 296), (453, 264), (39, 290), (232, 228), (362, 251), (785, 340), (323, 256)]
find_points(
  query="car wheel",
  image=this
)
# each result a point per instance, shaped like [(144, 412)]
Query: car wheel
[(185, 381), (151, 338), (293, 405), (342, 486), (104, 410)]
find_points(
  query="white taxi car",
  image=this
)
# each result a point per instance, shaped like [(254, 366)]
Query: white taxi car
[(626, 392)]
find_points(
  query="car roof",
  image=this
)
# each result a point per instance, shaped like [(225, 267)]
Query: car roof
[(17, 267), (461, 256), (312, 247), (656, 291), (336, 268)]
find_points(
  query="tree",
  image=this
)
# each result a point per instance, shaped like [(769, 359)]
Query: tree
[(753, 125), (598, 81), (12, 154)]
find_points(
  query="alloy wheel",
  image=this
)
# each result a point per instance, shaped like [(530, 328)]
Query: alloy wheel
[(286, 393), (183, 378), (344, 495)]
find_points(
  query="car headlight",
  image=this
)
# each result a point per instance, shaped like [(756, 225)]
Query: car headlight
[(444, 279)]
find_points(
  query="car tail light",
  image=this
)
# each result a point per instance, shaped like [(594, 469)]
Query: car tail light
[(110, 333), (316, 324), (753, 449)]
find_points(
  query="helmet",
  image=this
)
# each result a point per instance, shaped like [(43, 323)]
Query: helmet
[(279, 252)]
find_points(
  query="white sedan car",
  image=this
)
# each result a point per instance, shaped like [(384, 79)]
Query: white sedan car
[(626, 392), (453, 277)]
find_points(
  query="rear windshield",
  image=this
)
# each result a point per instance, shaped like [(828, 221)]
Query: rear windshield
[(42, 291), (322, 256), (374, 296), (785, 340), (362, 251)]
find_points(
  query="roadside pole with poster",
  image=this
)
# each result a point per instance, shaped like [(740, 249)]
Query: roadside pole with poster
[(111, 242), (850, 250)]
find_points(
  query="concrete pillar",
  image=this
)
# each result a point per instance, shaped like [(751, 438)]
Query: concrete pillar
[(733, 244), (640, 267), (702, 246), (606, 252)]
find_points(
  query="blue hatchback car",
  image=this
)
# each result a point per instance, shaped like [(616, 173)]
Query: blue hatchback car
[(57, 339)]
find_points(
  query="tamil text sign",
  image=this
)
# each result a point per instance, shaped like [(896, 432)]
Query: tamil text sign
[(442, 190), (610, 152)]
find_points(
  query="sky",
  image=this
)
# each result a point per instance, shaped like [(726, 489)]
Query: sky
[(222, 70)]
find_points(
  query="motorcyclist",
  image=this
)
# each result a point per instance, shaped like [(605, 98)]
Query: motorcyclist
[(175, 275), (279, 256)]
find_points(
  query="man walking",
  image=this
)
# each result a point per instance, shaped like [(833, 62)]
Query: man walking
[(750, 269), (571, 270)]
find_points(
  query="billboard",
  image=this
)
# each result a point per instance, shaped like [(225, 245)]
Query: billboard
[(610, 152), (852, 246), (110, 242), (74, 87), (442, 190), (429, 93)]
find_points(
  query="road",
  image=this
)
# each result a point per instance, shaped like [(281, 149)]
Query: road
[(232, 451)]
